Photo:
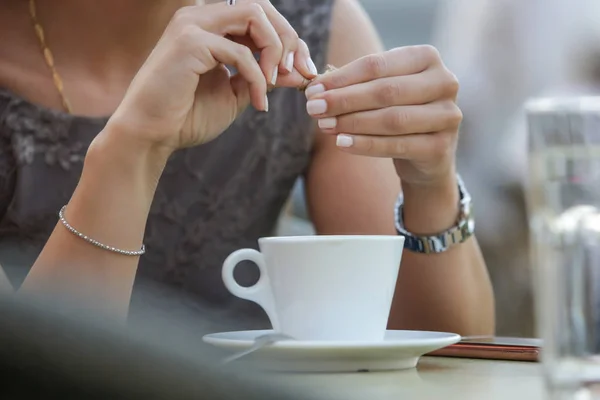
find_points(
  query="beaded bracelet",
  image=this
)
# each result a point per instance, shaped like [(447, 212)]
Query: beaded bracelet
[(94, 242)]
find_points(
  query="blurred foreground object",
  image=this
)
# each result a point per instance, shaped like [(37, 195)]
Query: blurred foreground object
[(46, 354)]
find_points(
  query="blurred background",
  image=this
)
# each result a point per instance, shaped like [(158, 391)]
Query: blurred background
[(403, 22)]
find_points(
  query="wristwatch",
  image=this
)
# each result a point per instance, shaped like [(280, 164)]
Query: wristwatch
[(464, 228)]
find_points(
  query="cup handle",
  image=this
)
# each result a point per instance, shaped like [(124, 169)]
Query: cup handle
[(260, 292)]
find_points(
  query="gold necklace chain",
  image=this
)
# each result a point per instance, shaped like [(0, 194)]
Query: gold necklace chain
[(39, 31)]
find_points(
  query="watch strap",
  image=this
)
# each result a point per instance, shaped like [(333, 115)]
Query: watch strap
[(440, 242)]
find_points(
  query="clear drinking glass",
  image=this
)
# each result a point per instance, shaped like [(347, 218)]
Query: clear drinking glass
[(564, 215)]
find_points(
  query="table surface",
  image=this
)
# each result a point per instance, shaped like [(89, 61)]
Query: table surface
[(434, 377)]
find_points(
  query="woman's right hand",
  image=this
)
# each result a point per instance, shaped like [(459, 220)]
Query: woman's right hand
[(184, 96)]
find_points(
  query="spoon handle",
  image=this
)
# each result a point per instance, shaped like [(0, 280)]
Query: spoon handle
[(259, 343)]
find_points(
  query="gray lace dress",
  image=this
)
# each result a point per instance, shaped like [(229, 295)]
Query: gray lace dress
[(211, 200)]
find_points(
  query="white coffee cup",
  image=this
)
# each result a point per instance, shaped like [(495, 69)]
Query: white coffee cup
[(331, 288)]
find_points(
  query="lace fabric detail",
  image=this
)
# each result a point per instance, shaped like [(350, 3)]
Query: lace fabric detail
[(210, 201)]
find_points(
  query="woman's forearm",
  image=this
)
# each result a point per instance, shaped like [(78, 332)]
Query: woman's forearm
[(111, 205), (449, 291)]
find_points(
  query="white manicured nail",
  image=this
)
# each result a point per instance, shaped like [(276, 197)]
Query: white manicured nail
[(327, 123), (316, 107), (274, 75), (289, 61), (344, 141), (314, 89), (266, 103), (312, 67)]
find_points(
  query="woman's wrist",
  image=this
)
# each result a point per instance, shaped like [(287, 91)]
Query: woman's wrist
[(118, 182), (431, 208), (119, 143), (121, 155)]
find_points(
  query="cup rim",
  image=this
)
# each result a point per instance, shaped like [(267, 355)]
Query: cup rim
[(331, 238)]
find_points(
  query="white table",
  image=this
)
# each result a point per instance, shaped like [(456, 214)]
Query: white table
[(434, 378)]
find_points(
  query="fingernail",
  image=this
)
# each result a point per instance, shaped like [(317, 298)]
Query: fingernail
[(327, 123), (266, 103), (314, 89), (312, 67), (316, 107), (344, 141), (289, 61), (274, 75)]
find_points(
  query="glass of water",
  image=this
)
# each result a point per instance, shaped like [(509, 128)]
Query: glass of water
[(564, 215)]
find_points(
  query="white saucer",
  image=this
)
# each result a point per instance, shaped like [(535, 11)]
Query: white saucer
[(399, 350)]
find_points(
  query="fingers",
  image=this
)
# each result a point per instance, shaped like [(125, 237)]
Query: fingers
[(399, 104), (304, 69), (260, 27), (295, 53), (400, 61), (227, 22), (396, 91), (304, 63), (414, 147), (241, 57), (245, 19), (285, 31), (399, 120)]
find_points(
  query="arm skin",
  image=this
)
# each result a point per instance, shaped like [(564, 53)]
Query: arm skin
[(350, 194), (117, 184)]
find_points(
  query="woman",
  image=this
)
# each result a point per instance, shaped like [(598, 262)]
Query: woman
[(234, 167)]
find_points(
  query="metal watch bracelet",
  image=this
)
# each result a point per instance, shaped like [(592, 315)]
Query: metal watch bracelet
[(441, 242)]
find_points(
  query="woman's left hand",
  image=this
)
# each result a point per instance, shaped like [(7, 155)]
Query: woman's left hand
[(399, 104)]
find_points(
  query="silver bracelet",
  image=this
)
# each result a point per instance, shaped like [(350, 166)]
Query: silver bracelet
[(96, 243), (438, 243)]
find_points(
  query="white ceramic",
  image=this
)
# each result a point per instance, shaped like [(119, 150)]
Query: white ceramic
[(323, 287), (398, 350)]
